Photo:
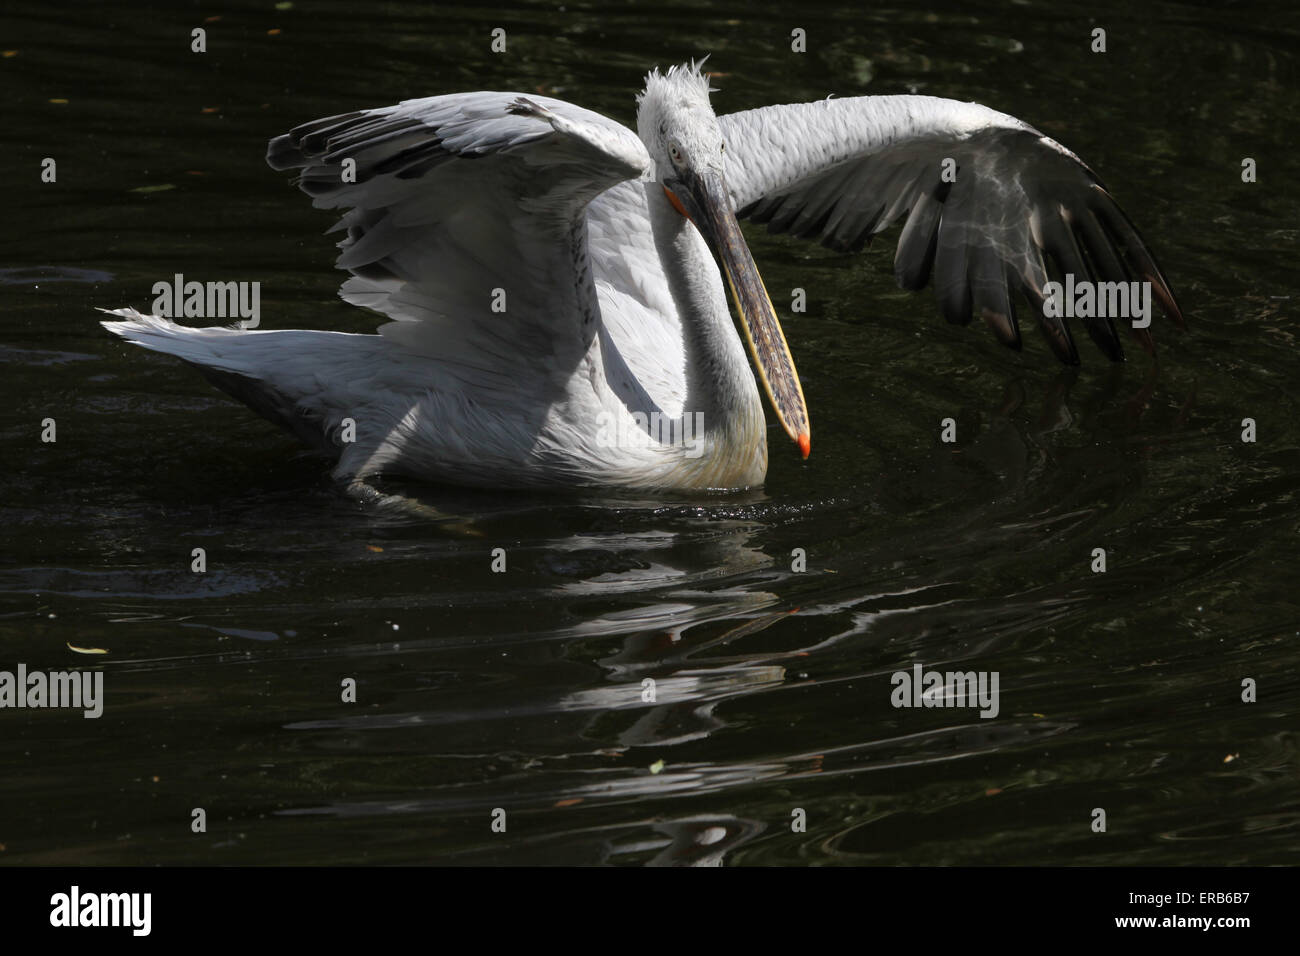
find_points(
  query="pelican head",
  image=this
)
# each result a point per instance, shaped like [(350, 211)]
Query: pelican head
[(682, 135), (676, 122)]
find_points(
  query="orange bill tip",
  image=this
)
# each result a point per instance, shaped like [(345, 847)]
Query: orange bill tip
[(805, 444)]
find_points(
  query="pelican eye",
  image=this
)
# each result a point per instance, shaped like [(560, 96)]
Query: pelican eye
[(674, 152)]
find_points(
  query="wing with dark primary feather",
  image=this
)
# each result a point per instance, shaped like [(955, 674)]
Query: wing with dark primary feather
[(451, 198), (1020, 211)]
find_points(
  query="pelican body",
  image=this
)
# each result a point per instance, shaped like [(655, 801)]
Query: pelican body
[(556, 286)]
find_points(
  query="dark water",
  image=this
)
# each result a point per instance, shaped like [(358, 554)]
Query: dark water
[(522, 690)]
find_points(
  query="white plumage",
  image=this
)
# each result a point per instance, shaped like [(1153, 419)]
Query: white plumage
[(615, 317)]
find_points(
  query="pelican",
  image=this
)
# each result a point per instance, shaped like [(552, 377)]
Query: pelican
[(557, 314)]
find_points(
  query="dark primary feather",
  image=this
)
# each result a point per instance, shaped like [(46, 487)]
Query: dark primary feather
[(1020, 212)]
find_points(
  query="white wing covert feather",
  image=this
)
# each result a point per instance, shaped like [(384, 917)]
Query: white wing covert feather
[(1022, 209), (456, 197)]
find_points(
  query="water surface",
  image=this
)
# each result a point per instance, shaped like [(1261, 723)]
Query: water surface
[(523, 690)]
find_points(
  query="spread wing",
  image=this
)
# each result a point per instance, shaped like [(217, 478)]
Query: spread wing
[(465, 225), (1016, 209)]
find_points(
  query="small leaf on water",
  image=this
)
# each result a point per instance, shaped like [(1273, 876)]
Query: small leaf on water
[(87, 650)]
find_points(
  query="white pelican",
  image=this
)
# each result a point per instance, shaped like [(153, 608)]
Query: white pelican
[(551, 280)]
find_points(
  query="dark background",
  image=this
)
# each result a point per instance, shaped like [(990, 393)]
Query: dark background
[(521, 691)]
